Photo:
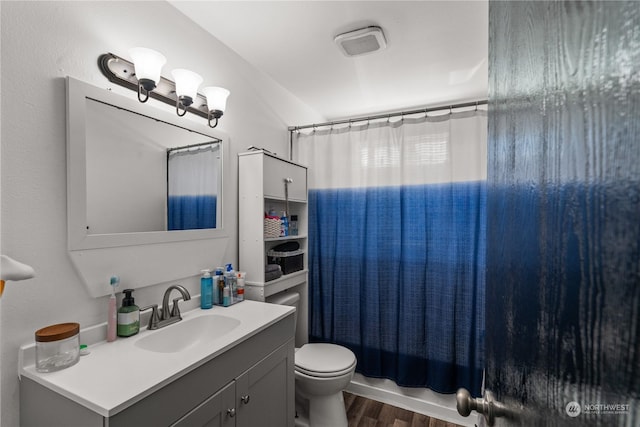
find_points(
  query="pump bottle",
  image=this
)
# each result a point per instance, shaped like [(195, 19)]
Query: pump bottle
[(128, 316), (206, 290), (230, 282)]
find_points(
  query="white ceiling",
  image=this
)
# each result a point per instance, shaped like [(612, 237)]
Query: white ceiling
[(436, 50)]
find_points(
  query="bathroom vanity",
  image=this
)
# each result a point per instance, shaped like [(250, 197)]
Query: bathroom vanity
[(242, 375)]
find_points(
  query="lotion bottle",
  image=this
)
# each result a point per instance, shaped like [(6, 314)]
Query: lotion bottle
[(128, 316)]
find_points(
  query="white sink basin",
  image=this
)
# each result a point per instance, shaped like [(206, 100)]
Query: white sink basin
[(187, 333)]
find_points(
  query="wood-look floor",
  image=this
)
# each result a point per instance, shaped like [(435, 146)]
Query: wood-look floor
[(363, 412)]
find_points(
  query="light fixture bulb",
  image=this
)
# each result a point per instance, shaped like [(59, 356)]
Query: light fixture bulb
[(187, 83), (216, 98), (148, 66), (216, 102)]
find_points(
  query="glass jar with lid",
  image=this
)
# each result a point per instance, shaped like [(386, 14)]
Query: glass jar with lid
[(57, 347)]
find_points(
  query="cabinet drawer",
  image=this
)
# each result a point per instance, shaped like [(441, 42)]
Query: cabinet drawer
[(276, 171)]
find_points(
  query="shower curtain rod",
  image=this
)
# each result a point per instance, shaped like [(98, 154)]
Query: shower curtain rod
[(389, 115), (185, 147)]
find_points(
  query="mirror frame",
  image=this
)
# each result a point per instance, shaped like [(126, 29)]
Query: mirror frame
[(78, 238)]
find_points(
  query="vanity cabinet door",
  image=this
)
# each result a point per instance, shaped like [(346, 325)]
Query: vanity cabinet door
[(216, 411), (265, 393)]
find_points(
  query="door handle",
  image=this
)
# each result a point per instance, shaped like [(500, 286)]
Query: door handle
[(487, 406)]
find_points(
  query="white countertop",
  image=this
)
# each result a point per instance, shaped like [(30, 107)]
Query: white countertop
[(118, 374)]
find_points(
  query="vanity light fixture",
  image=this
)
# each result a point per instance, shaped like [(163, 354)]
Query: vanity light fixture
[(147, 65), (216, 102), (146, 79)]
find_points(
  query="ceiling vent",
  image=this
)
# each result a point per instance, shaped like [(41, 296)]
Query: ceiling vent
[(362, 41)]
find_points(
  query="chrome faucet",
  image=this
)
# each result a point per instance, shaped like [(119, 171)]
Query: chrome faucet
[(167, 318)]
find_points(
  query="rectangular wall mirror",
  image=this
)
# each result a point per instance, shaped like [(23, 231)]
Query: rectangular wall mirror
[(144, 174), (138, 177)]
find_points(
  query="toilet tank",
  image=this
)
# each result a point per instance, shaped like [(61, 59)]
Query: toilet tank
[(286, 298)]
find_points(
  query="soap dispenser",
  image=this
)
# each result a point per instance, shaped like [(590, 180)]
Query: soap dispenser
[(128, 316)]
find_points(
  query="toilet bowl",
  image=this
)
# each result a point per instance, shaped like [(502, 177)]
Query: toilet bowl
[(322, 372)]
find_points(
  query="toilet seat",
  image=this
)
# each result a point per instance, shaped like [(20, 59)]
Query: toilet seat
[(324, 360)]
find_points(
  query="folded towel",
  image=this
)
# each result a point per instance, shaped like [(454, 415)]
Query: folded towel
[(272, 267), (272, 275)]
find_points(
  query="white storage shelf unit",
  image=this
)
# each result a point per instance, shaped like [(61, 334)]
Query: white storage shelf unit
[(261, 186)]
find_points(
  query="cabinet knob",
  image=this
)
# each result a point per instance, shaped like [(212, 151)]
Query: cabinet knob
[(245, 399), (231, 412)]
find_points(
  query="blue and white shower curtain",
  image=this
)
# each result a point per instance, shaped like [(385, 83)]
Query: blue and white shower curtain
[(193, 187), (397, 214)]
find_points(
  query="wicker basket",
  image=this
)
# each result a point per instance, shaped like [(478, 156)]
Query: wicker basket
[(271, 228)]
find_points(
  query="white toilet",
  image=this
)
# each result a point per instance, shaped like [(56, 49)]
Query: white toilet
[(322, 372)]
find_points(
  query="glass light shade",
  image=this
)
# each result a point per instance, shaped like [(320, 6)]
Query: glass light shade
[(148, 63), (187, 82), (216, 98)]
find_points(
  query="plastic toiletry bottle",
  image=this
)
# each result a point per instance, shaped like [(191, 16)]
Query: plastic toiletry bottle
[(293, 225), (217, 290), (128, 316), (284, 225), (230, 280), (240, 283), (226, 296), (206, 290), (220, 285), (112, 316)]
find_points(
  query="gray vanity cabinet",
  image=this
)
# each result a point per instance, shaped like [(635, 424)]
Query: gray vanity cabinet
[(262, 389), (213, 411), (259, 397), (248, 385)]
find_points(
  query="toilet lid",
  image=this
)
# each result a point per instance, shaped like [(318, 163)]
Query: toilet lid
[(324, 359)]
